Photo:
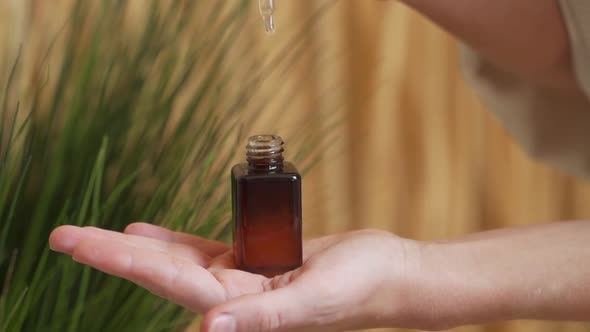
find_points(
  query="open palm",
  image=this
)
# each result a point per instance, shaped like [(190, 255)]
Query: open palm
[(340, 286)]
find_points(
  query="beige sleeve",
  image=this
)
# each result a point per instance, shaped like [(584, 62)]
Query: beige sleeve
[(549, 127)]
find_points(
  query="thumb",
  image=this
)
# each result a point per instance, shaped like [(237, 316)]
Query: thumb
[(278, 310)]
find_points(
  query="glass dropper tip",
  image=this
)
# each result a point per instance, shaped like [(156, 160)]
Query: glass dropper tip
[(267, 8), (269, 23)]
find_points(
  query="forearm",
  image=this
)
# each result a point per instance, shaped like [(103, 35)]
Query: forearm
[(538, 272), (527, 37)]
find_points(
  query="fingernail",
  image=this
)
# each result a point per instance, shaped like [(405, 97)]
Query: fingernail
[(223, 323)]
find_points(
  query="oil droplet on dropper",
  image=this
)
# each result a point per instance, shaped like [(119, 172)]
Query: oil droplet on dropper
[(267, 9)]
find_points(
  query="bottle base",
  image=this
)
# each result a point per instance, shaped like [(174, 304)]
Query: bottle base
[(270, 272)]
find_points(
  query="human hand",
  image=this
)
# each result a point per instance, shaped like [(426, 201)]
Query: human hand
[(355, 280)]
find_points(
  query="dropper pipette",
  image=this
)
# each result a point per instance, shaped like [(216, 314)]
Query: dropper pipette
[(267, 9)]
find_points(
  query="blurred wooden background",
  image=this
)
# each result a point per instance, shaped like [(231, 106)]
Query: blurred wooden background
[(416, 154)]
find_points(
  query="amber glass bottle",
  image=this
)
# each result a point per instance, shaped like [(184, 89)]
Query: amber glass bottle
[(266, 198)]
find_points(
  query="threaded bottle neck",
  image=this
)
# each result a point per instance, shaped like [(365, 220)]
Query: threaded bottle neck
[(265, 153)]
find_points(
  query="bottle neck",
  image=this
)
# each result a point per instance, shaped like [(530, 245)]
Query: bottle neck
[(264, 153)]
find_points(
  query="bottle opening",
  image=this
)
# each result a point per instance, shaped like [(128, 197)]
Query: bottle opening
[(265, 152)]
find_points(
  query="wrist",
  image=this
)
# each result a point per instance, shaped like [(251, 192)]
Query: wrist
[(531, 272), (391, 297), (417, 294), (475, 281), (515, 273), (455, 284), (441, 285)]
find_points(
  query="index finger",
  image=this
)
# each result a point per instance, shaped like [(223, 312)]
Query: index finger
[(209, 247), (170, 277)]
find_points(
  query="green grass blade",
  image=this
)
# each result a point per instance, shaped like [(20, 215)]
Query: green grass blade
[(14, 310)]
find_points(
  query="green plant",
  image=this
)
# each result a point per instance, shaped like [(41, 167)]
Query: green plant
[(119, 128)]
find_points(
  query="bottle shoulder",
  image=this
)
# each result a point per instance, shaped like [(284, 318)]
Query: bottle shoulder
[(242, 172)]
